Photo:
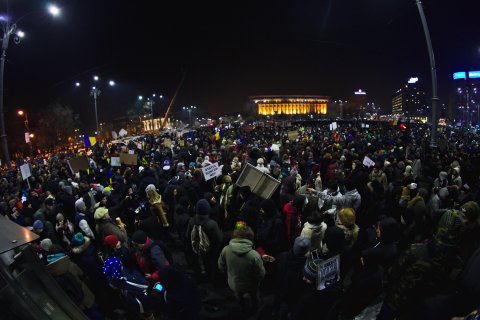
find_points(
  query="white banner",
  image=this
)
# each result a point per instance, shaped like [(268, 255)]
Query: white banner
[(27, 137), (211, 171), (115, 162)]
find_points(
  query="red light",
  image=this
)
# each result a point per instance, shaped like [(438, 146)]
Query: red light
[(403, 127)]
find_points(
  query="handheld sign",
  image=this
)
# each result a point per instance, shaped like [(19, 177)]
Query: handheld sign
[(79, 163), (262, 184), (328, 272), (115, 161), (367, 162), (211, 171), (25, 171)]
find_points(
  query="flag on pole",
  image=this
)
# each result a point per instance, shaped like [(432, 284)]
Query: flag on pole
[(89, 141)]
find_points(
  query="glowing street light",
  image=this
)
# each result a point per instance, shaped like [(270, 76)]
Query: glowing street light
[(111, 83), (53, 10), (140, 97), (95, 78), (20, 34), (77, 84)]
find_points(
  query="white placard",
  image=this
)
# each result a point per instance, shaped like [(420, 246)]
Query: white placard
[(131, 151), (328, 272), (115, 162), (122, 133), (368, 162), (25, 171), (211, 171)]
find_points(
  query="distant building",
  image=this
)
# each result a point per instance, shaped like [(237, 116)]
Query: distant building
[(356, 105), (466, 97), (410, 100), (289, 105)]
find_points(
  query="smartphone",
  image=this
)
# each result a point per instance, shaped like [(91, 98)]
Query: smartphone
[(158, 287)]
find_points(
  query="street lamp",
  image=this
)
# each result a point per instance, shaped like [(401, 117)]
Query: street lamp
[(189, 110), (95, 93), (9, 29), (433, 141)]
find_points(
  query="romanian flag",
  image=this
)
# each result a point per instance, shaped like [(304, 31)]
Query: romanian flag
[(89, 141), (395, 122), (217, 136)]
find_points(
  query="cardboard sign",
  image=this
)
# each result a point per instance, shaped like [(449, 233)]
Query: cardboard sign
[(181, 143), (262, 184), (292, 135), (367, 162), (79, 163), (128, 159), (25, 171), (115, 162), (211, 171), (328, 272)]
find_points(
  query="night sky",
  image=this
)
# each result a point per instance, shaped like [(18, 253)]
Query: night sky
[(231, 50)]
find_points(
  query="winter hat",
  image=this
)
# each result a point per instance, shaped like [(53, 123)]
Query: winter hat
[(443, 175), (301, 246), (68, 190), (192, 164), (38, 225), (107, 192), (334, 239), (408, 170), (166, 165), (443, 193), (111, 241), (347, 217), (59, 217), (202, 207), (46, 244), (77, 240), (80, 204), (471, 211), (100, 213), (139, 237), (113, 268), (150, 187)]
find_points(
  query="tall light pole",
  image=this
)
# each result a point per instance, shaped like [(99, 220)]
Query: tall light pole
[(9, 29), (433, 71), (189, 110)]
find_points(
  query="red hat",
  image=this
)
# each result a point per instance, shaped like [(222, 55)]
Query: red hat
[(111, 241)]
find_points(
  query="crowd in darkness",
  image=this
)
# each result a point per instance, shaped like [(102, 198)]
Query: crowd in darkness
[(141, 241)]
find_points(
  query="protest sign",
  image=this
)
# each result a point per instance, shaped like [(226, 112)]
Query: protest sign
[(122, 133), (129, 159), (78, 163), (181, 143), (262, 184), (328, 272), (115, 161), (292, 135), (25, 171), (211, 171), (167, 142), (367, 162), (131, 151)]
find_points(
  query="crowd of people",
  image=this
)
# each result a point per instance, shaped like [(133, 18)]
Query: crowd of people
[(399, 218)]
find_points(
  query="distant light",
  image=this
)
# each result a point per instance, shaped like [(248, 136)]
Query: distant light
[(77, 84), (161, 97), (95, 78), (413, 80), (94, 87), (360, 92), (3, 18), (140, 97), (20, 34), (32, 135), (474, 74), (154, 95), (460, 75), (54, 10), (111, 83), (20, 112)]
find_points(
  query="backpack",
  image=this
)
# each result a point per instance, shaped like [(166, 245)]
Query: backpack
[(200, 241), (71, 286)]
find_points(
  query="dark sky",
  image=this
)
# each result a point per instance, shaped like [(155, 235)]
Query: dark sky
[(231, 50)]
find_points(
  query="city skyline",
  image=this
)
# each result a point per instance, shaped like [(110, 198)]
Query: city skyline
[(231, 53)]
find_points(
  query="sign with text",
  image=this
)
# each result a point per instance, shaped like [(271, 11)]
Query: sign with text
[(211, 171), (262, 184), (292, 135), (25, 171), (328, 272)]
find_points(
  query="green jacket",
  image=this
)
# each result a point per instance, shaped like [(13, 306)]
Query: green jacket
[(243, 265)]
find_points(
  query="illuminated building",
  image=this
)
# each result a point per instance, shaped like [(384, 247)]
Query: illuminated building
[(410, 100), (280, 105), (467, 96)]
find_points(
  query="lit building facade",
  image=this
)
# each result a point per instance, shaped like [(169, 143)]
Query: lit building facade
[(410, 100), (467, 96), (281, 105), (157, 123)]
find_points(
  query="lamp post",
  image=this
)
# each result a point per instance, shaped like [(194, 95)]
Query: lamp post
[(149, 103), (433, 71), (189, 110), (10, 30), (95, 93)]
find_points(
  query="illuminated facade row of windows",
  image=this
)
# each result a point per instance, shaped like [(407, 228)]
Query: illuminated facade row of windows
[(291, 108)]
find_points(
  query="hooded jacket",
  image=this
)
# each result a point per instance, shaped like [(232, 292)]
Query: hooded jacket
[(243, 265)]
